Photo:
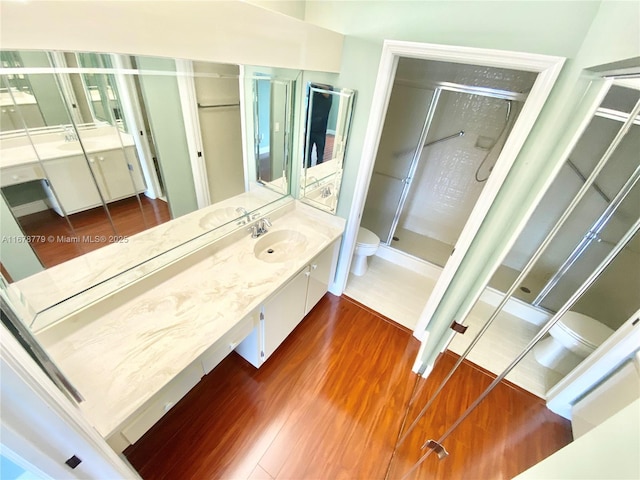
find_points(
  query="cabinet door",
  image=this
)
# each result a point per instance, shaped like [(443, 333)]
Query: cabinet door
[(133, 163), (73, 183), (322, 269), (283, 312), (114, 170)]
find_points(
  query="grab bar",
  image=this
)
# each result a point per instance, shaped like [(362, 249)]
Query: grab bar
[(443, 139)]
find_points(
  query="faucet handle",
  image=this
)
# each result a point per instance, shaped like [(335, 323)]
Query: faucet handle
[(266, 221)]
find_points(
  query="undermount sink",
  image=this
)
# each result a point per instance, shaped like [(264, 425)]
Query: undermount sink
[(280, 246), (75, 146), (219, 217)]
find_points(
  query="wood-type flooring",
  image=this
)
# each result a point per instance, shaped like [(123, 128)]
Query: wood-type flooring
[(54, 241), (330, 404)]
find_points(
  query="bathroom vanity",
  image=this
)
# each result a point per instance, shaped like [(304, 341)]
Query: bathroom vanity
[(134, 348), (63, 169)]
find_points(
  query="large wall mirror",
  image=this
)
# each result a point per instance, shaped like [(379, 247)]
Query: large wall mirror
[(328, 120), (96, 148)]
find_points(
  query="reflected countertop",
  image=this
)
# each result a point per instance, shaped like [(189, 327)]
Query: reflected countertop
[(17, 152), (120, 351)]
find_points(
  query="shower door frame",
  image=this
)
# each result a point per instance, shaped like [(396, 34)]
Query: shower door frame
[(547, 68), (439, 87)]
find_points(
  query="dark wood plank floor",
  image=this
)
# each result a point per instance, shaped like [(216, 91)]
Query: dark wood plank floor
[(128, 219), (330, 403)]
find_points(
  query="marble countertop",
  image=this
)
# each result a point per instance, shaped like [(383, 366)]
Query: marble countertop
[(58, 291), (52, 145), (123, 349)]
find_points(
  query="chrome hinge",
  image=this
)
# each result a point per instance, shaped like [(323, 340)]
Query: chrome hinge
[(261, 316), (436, 447)]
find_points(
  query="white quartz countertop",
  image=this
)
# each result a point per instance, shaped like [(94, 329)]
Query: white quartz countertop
[(122, 350), (53, 146)]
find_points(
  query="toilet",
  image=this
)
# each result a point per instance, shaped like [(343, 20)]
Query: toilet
[(366, 245), (571, 340)]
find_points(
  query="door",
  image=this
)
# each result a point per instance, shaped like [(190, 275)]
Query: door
[(283, 312)]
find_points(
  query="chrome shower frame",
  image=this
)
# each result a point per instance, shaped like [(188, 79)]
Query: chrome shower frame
[(601, 222), (438, 88)]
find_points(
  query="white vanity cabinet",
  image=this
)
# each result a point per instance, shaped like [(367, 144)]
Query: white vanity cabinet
[(116, 173), (283, 311), (71, 179)]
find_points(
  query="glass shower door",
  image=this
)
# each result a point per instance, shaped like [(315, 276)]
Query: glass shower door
[(396, 159)]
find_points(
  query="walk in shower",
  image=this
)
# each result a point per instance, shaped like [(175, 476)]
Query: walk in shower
[(445, 127)]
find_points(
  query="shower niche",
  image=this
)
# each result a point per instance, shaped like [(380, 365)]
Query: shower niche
[(445, 127)]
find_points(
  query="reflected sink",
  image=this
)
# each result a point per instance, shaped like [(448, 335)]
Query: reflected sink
[(280, 246), (219, 217), (75, 146), (317, 197)]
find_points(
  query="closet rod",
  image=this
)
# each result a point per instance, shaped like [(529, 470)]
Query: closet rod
[(219, 106)]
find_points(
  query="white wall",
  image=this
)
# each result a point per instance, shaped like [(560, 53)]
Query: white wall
[(608, 451), (222, 31)]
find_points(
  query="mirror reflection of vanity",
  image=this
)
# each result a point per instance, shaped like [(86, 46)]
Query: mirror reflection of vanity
[(328, 119), (98, 147)]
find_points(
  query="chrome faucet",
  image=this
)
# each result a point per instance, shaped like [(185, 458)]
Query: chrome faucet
[(326, 192), (245, 216), (315, 181), (260, 227), (69, 134)]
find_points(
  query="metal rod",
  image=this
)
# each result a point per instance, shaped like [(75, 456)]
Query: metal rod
[(444, 139), (468, 89), (388, 176), (223, 105), (414, 163), (595, 186), (590, 236), (545, 329), (529, 266), (448, 137)]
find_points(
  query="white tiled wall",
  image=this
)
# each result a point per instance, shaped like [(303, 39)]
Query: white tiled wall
[(444, 189)]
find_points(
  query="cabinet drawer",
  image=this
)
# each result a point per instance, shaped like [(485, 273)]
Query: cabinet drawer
[(21, 174), (223, 347), (163, 401)]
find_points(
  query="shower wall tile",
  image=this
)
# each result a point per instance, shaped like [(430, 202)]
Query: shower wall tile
[(444, 190)]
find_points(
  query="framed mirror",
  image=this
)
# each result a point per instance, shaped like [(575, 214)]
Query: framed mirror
[(272, 120), (328, 120)]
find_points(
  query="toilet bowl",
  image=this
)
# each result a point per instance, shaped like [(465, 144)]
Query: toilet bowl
[(366, 245), (571, 340)]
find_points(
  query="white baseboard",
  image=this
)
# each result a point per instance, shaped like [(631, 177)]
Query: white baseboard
[(29, 208), (490, 296)]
